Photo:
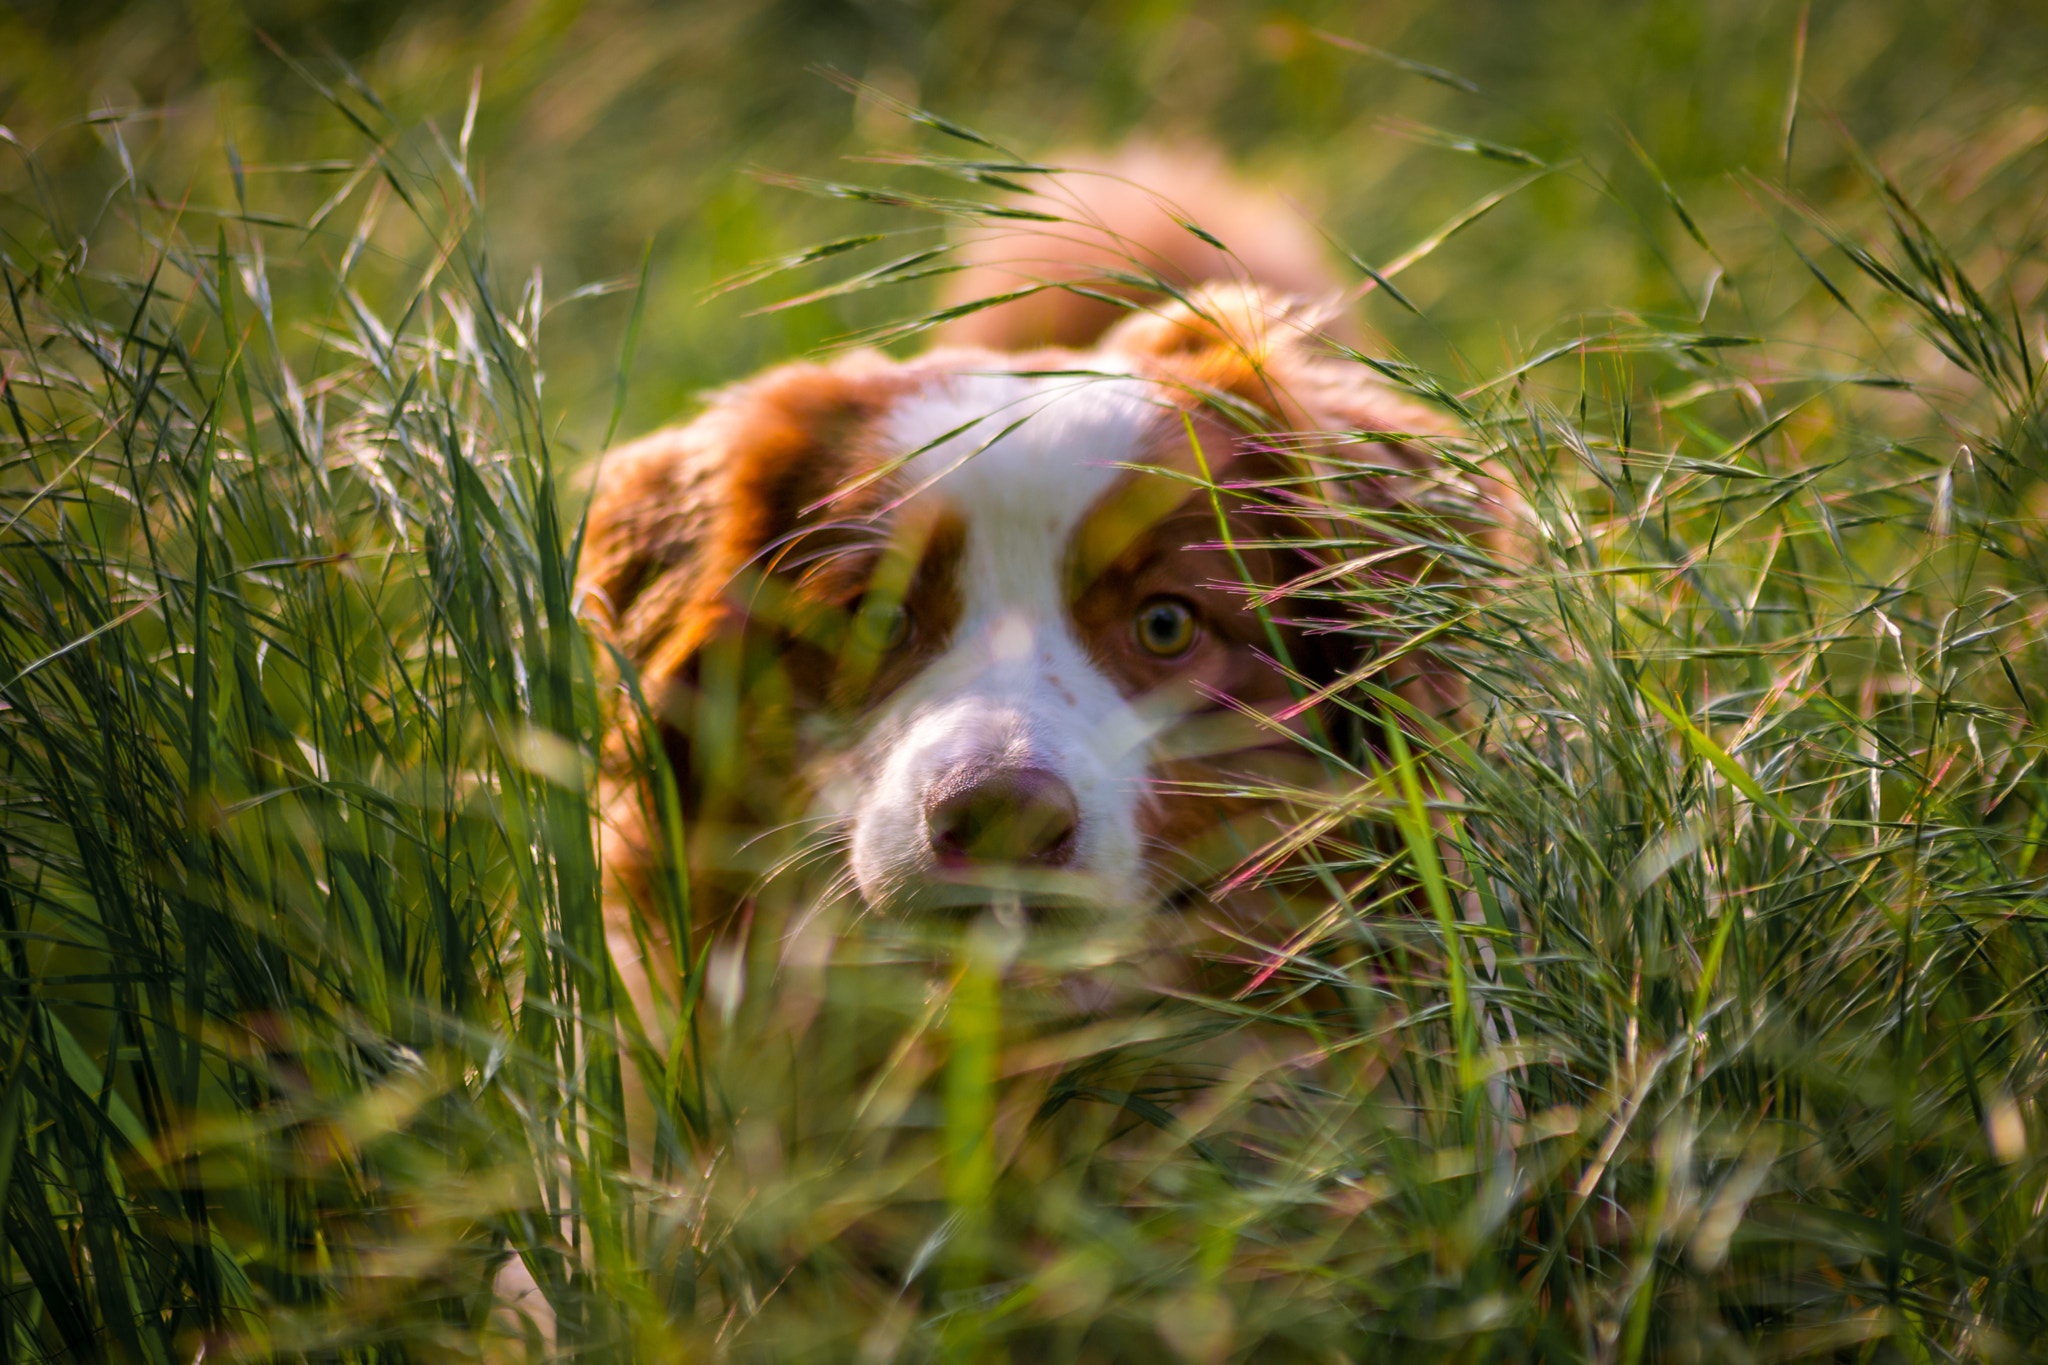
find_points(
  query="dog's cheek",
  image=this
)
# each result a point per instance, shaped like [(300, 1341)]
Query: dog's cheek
[(1211, 816), (726, 714)]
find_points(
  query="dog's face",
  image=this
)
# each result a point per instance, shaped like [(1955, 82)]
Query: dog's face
[(1069, 614), (988, 616)]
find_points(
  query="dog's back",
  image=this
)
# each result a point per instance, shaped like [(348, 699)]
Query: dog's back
[(1176, 214)]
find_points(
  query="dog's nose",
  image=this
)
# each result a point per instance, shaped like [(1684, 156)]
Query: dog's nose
[(989, 814)]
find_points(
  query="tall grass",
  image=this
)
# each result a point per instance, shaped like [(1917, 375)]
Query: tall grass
[(307, 995), (1688, 1006)]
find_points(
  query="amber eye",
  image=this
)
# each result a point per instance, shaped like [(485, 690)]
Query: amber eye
[(1165, 626), (882, 625)]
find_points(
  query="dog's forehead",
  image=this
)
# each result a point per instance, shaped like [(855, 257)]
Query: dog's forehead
[(1023, 450)]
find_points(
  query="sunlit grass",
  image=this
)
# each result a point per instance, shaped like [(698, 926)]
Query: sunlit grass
[(1686, 1004)]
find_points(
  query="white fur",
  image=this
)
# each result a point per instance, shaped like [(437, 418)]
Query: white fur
[(1014, 684)]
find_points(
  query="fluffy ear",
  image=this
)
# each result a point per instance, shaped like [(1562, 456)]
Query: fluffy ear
[(683, 527), (678, 515), (1239, 341), (1267, 350), (649, 517)]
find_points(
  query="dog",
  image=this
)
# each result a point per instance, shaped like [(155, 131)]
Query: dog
[(1034, 624), (1006, 622)]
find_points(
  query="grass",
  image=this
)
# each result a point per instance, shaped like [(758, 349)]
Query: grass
[(1722, 1038)]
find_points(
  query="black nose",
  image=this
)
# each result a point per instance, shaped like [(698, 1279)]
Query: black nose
[(997, 814)]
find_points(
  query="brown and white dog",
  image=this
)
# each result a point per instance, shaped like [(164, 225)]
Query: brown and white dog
[(984, 616)]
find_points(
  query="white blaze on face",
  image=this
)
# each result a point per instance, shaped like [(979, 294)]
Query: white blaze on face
[(1014, 686)]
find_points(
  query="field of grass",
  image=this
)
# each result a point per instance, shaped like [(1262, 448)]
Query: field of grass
[(1692, 1006)]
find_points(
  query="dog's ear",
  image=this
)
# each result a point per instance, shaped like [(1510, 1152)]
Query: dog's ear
[(1267, 350), (678, 516), (683, 526), (1237, 343), (649, 518)]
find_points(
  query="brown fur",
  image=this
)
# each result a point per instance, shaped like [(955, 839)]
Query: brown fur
[(679, 514)]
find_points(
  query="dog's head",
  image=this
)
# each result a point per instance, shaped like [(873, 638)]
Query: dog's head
[(990, 615)]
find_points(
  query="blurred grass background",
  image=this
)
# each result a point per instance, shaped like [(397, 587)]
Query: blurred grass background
[(606, 127), (314, 313)]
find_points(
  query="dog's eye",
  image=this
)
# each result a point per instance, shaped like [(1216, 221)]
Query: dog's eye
[(1166, 627), (882, 625)]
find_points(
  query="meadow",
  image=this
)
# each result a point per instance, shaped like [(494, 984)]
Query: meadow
[(1690, 1005)]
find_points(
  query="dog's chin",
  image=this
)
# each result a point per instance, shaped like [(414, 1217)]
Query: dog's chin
[(1033, 897), (1066, 938)]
